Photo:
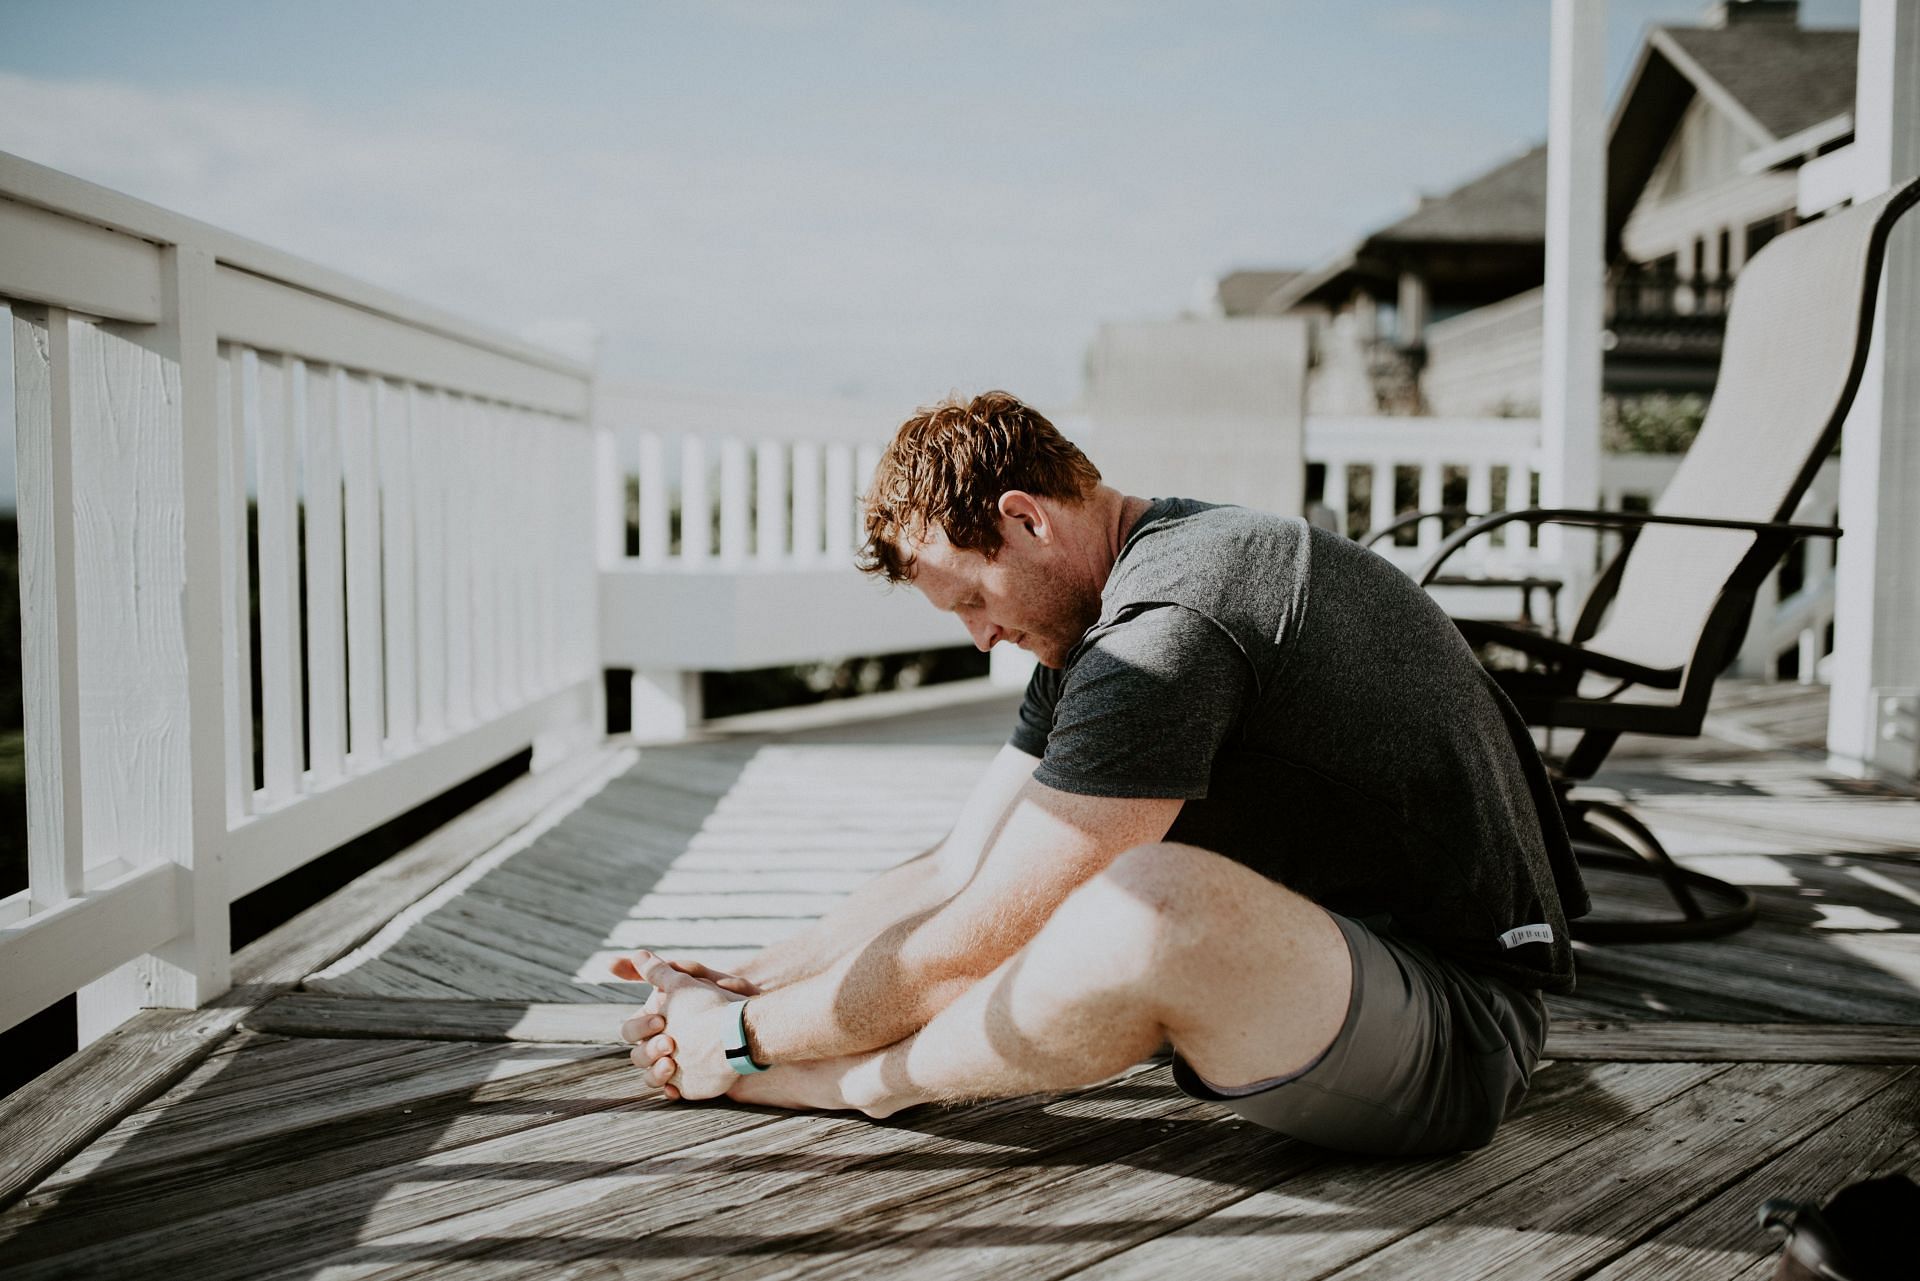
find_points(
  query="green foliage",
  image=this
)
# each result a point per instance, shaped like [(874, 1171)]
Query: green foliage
[(1652, 424)]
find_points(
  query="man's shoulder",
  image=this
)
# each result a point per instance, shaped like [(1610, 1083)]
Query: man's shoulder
[(1218, 560)]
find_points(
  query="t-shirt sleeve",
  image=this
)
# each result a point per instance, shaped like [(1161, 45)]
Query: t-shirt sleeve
[(1146, 706), (1035, 721)]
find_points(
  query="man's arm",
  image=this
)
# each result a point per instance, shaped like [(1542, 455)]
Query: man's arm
[(1051, 843), (908, 890)]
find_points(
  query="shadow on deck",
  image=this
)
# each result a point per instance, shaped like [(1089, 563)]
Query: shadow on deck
[(445, 1096)]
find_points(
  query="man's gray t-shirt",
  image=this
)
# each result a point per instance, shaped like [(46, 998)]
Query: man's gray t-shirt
[(1327, 727)]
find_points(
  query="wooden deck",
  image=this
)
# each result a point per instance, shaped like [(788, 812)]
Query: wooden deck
[(441, 1099)]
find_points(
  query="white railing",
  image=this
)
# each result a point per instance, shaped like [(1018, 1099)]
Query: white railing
[(740, 549), (419, 530), (1377, 468)]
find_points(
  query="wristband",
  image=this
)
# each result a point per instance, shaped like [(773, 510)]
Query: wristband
[(739, 1057)]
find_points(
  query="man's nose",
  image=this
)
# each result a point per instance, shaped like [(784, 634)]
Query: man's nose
[(984, 634)]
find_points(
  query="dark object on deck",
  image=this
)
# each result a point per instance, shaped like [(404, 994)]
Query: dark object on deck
[(1681, 586), (1869, 1231)]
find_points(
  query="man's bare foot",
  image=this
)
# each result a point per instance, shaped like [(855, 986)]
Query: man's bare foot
[(828, 1085)]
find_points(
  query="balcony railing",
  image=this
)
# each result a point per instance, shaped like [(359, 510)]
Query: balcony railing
[(195, 414)]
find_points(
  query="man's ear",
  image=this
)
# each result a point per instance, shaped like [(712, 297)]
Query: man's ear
[(1025, 510)]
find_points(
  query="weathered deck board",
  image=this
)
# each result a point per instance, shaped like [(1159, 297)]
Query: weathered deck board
[(1722, 1239), (1585, 1209), (444, 1099), (1353, 1207), (55, 1116)]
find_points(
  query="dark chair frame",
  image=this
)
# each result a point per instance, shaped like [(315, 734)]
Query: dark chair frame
[(1604, 833)]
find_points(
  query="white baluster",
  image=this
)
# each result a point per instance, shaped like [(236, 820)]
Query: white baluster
[(1432, 473), (806, 502), (280, 715), (656, 533), (326, 605), (770, 502), (696, 501), (736, 516), (393, 435), (366, 697), (841, 517), (456, 432), (1334, 494), (427, 466), (1383, 505)]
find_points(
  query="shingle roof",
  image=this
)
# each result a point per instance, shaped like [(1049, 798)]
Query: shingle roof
[(1242, 292), (1788, 79), (1506, 203)]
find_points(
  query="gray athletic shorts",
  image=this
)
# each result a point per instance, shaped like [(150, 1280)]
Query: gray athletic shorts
[(1431, 1057)]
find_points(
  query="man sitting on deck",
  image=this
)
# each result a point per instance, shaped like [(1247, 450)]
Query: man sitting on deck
[(1261, 803)]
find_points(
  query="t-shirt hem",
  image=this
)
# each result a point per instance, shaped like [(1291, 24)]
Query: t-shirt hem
[(1129, 788)]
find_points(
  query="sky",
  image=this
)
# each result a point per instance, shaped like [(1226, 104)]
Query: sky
[(818, 198)]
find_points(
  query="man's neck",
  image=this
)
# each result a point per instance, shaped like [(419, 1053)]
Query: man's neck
[(1120, 513)]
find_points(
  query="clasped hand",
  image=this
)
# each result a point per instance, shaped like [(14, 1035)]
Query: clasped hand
[(681, 1034)]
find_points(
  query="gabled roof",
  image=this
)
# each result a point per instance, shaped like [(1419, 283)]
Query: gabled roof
[(1241, 292), (1787, 79), (1506, 206), (1773, 80), (1505, 203)]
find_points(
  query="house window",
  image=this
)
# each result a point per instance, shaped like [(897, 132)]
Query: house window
[(1724, 267)]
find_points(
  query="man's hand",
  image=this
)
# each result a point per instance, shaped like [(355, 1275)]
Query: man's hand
[(688, 1061)]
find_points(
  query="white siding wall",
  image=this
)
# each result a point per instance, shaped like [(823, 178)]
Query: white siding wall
[(1486, 362)]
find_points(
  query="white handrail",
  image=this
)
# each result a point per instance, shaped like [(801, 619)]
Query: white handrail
[(420, 533)]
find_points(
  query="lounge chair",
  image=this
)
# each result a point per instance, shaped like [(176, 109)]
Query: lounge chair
[(1667, 613)]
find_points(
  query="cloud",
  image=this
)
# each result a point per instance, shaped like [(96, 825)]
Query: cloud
[(916, 254)]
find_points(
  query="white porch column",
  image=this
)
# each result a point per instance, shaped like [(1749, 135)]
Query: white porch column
[(1576, 270), (1876, 660)]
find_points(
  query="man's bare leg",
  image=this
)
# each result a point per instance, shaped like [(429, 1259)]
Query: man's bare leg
[(1246, 978)]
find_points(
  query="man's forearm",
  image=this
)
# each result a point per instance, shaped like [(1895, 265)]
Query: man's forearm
[(908, 890), (881, 992)]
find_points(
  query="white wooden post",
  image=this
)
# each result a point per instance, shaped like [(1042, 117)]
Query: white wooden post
[(1756, 659), (1576, 269), (666, 703), (146, 463), (50, 656), (1871, 723)]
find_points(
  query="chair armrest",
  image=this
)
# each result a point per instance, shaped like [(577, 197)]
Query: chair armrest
[(1611, 520), (1414, 518)]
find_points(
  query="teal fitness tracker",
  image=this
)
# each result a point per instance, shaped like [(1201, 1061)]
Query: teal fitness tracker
[(739, 1057)]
